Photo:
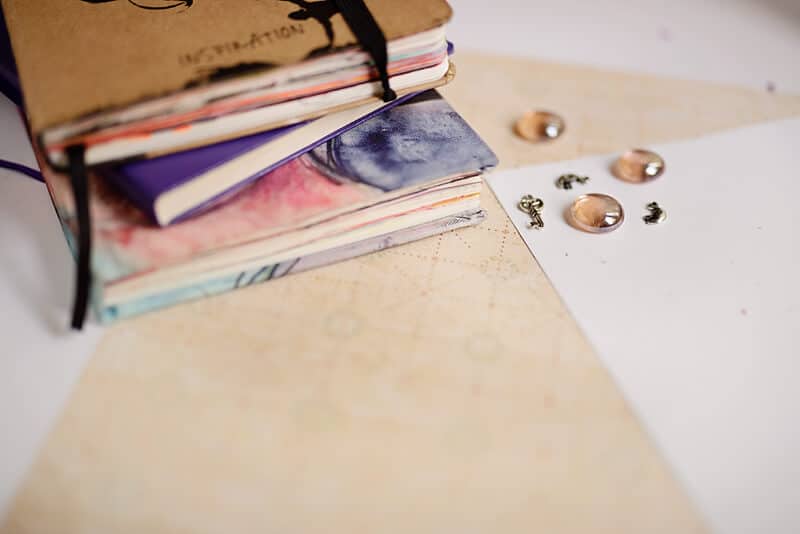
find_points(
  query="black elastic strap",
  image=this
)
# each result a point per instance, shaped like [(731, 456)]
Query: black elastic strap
[(364, 26), (80, 192)]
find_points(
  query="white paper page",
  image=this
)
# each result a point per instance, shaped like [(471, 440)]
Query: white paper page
[(697, 319), (40, 360)]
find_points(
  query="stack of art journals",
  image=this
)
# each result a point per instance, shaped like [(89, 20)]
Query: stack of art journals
[(193, 147)]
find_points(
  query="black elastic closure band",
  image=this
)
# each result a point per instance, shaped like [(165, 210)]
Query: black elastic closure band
[(364, 26), (80, 192)]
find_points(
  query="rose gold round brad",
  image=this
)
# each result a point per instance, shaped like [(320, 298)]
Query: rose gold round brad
[(539, 126), (595, 213), (639, 166)]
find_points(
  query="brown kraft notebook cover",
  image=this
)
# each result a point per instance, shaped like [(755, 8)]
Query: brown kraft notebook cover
[(77, 57)]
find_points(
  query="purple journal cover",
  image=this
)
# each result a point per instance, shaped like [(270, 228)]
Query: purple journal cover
[(144, 181)]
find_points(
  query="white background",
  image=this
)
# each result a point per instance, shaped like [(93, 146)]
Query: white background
[(750, 43)]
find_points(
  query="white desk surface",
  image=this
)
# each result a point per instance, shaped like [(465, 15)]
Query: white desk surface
[(749, 43)]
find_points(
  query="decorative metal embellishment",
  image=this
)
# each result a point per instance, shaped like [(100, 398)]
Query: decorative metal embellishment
[(539, 126), (565, 181), (638, 166), (595, 213), (656, 216), (533, 207)]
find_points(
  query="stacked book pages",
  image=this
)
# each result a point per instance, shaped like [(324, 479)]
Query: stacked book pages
[(194, 147)]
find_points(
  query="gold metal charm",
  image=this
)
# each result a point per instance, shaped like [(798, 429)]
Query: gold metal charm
[(656, 215), (533, 207), (565, 181)]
